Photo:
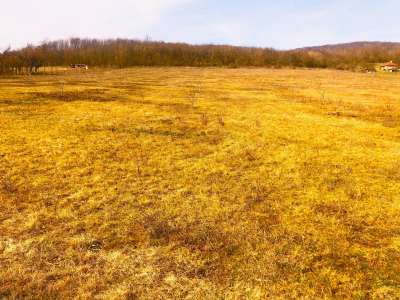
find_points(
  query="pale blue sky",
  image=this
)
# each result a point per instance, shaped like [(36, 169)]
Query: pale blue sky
[(280, 24)]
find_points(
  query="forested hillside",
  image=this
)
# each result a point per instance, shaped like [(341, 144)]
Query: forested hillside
[(128, 53)]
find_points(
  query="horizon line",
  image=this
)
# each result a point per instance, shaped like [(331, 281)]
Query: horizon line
[(149, 39)]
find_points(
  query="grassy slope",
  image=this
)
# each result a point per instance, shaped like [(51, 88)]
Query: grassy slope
[(200, 183)]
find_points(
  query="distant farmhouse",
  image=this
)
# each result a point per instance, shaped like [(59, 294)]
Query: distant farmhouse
[(79, 66), (390, 67)]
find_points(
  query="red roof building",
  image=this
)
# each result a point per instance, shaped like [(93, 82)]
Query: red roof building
[(390, 67)]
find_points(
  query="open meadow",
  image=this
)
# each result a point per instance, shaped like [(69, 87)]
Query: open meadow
[(191, 183)]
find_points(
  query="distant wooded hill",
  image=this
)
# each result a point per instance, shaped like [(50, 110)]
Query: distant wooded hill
[(334, 48), (128, 53)]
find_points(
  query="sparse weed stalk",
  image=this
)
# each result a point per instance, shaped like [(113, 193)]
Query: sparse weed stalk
[(322, 92), (221, 121), (204, 119), (142, 161), (61, 88), (194, 94), (141, 95)]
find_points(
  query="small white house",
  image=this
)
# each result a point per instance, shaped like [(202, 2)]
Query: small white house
[(390, 67)]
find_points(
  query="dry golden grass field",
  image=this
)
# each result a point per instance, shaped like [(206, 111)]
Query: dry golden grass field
[(186, 183)]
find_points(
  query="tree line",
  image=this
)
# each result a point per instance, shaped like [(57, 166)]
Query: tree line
[(123, 53)]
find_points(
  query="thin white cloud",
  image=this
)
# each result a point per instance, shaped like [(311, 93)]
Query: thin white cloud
[(281, 24), (33, 21)]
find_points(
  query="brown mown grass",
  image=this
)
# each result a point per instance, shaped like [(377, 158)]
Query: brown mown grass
[(185, 183)]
